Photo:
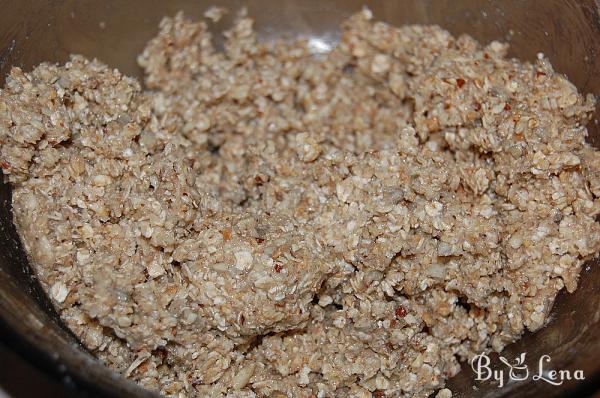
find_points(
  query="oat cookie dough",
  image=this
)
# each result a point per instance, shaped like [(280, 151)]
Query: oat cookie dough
[(262, 221)]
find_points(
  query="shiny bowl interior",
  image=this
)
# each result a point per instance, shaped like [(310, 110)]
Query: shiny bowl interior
[(568, 32)]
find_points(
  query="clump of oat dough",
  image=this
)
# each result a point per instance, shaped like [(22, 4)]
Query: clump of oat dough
[(263, 221)]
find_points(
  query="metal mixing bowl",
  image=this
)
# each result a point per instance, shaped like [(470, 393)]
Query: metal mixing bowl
[(568, 32)]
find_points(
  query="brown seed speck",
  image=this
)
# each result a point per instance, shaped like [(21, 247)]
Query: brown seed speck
[(401, 312)]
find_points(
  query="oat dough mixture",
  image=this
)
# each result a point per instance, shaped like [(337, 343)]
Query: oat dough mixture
[(264, 221)]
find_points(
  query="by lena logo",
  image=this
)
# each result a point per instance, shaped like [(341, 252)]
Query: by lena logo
[(519, 371)]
